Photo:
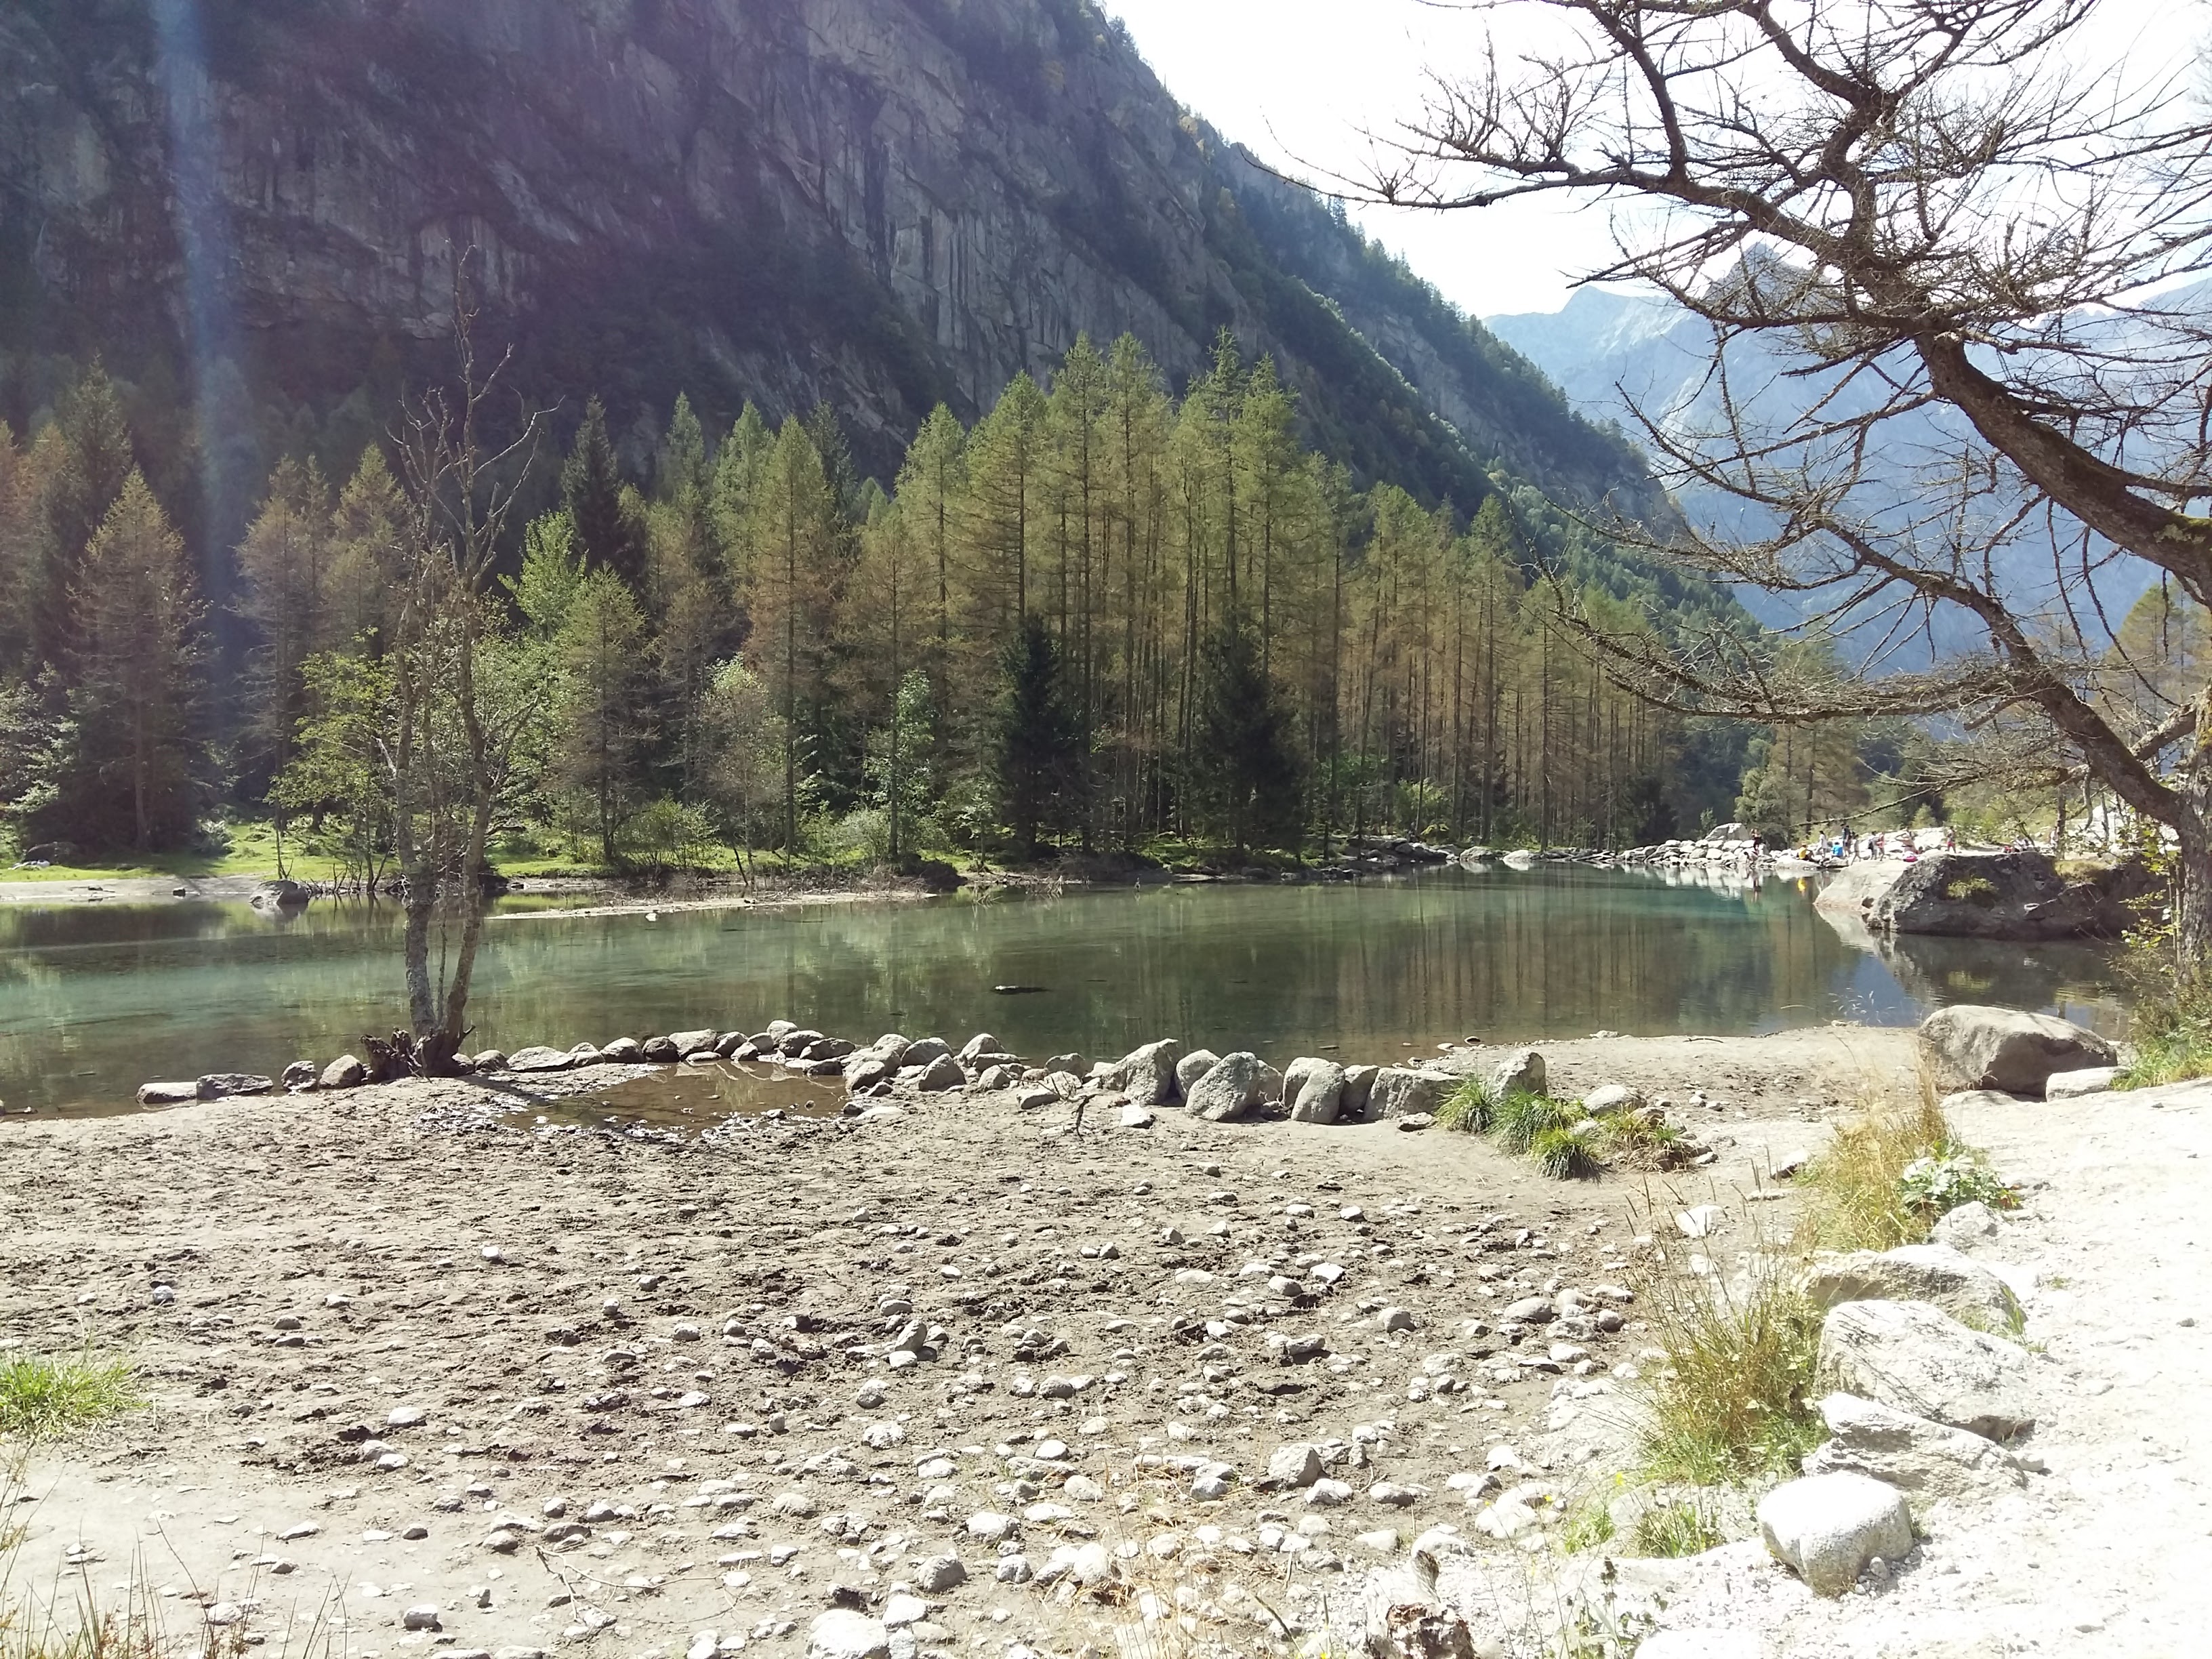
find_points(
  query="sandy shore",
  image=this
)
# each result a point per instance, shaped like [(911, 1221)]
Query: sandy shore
[(562, 1386)]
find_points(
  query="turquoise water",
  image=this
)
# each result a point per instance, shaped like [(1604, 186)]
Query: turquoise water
[(96, 999)]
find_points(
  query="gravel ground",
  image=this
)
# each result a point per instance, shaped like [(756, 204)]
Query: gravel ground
[(637, 1392)]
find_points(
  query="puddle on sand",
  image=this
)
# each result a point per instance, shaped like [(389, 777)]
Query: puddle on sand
[(691, 1098)]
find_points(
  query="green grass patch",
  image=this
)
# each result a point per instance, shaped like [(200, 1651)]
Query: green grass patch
[(42, 1399), (1471, 1109), (1675, 1529), (1567, 1151), (1587, 1525), (1520, 1119), (2173, 1052)]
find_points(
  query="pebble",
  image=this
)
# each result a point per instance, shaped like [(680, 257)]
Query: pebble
[(940, 1573)]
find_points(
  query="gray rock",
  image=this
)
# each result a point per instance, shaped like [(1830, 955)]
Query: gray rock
[(2071, 1086), (1917, 1359), (622, 1051), (1521, 1073), (1314, 1089), (1267, 1087), (942, 1073), (1147, 1075), (539, 1059), (940, 1573), (222, 1085), (1133, 1117), (689, 1043), (1192, 1066), (1913, 1453), (490, 1059), (1298, 1465), (1067, 1065), (996, 1076), (981, 1043), (1358, 1089), (167, 1094), (1969, 1046), (1225, 1091), (301, 1077), (1610, 1098), (347, 1073), (920, 1055), (661, 1051), (1414, 1122), (796, 1041), (421, 1618), (2015, 896), (841, 1633), (1401, 1092), (1967, 1227), (1828, 1526), (1933, 1274)]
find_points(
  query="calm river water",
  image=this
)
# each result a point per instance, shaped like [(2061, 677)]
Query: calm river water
[(96, 999)]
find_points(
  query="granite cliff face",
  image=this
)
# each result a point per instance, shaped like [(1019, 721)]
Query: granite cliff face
[(877, 204)]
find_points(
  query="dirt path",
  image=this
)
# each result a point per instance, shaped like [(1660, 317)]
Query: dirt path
[(653, 1380)]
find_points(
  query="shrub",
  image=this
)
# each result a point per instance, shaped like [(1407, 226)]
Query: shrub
[(1564, 1151), (1937, 1184)]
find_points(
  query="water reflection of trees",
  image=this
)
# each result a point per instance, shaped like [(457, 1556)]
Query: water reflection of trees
[(94, 1000)]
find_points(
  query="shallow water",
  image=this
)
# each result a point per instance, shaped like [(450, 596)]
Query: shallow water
[(96, 999)]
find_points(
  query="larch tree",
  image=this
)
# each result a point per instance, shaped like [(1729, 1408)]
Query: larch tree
[(788, 580), (1933, 216), (284, 565), (604, 723), (608, 530)]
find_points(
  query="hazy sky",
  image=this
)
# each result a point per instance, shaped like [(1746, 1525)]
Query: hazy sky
[(1302, 80), (1294, 79)]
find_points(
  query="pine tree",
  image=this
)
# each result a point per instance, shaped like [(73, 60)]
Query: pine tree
[(608, 531), (1040, 743), (93, 461), (284, 563), (367, 528), (1247, 777), (135, 682), (599, 751)]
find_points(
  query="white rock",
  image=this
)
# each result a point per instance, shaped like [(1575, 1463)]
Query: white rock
[(1933, 1274), (1828, 1526), (1295, 1465), (1314, 1090), (1522, 1072), (1964, 1228), (2071, 1086), (1612, 1098), (1918, 1359), (1226, 1090), (1699, 1221), (1916, 1456), (1403, 1091), (841, 1633)]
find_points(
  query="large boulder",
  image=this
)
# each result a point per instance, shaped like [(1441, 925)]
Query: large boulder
[(1913, 1453), (1358, 1088), (2013, 895), (1917, 1358), (1933, 1274), (1969, 1046), (1314, 1090), (1828, 1526), (1147, 1075), (1401, 1092), (1226, 1090), (1192, 1066)]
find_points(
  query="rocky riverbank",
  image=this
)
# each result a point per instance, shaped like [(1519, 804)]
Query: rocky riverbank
[(956, 1369)]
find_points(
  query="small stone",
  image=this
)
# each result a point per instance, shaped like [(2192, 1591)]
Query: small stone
[(940, 1573), (406, 1417), (841, 1633), (421, 1618), (1328, 1493), (1298, 1465)]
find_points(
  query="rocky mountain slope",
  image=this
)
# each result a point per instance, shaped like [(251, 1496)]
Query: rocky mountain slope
[(877, 204)]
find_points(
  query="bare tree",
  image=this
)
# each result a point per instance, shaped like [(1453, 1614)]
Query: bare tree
[(459, 708), (1935, 216)]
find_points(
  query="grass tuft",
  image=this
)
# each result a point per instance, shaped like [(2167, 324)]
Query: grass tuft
[(41, 1399), (1472, 1108), (1731, 1401), (1681, 1527), (1587, 1525), (1855, 1192), (1520, 1118), (1566, 1152)]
